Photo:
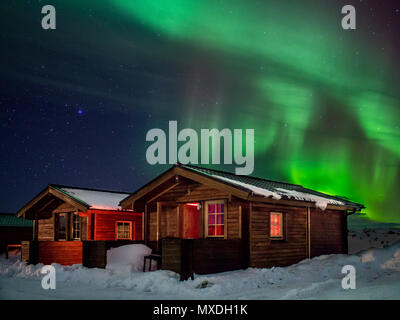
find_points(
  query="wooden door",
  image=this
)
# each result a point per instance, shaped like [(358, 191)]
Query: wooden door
[(190, 221)]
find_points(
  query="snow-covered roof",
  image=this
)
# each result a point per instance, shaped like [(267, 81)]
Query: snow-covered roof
[(94, 199), (274, 189)]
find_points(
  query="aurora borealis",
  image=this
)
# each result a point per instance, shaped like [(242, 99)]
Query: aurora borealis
[(76, 102)]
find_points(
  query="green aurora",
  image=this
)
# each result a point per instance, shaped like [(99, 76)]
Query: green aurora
[(324, 102), (322, 117)]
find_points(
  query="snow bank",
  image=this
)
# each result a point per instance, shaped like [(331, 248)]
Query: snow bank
[(320, 202), (386, 258), (127, 258), (378, 277), (254, 189), (98, 199)]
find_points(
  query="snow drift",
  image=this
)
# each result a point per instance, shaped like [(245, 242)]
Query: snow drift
[(127, 258)]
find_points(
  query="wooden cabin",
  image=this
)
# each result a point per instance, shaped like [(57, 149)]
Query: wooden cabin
[(205, 221), (13, 230), (65, 217)]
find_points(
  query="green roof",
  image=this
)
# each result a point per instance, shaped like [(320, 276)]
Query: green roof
[(11, 220), (272, 188)]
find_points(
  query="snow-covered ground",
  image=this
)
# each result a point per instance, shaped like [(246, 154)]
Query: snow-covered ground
[(372, 238), (377, 277)]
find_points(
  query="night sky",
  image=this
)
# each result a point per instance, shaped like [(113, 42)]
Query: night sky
[(76, 102)]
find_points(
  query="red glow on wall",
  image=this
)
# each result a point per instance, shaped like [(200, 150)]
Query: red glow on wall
[(192, 204)]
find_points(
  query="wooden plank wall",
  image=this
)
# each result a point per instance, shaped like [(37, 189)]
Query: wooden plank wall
[(189, 191), (265, 252), (217, 255), (105, 224), (168, 221), (171, 255), (328, 232), (233, 220), (203, 256), (94, 254), (199, 192), (46, 229), (152, 222), (29, 251), (62, 252)]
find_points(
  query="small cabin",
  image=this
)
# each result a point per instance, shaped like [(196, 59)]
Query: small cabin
[(13, 231), (205, 221), (64, 218)]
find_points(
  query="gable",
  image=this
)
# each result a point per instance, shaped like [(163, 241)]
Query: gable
[(168, 182)]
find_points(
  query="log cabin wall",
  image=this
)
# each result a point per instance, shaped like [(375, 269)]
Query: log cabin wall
[(169, 221), (105, 224), (102, 221), (203, 256), (328, 230), (62, 252), (266, 252), (46, 229), (234, 219), (152, 222)]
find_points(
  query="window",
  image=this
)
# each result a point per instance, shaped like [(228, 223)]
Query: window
[(215, 218), (76, 226), (124, 230), (276, 225), (62, 231)]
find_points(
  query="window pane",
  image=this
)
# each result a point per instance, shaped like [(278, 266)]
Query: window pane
[(211, 208), (211, 219), (211, 230), (276, 225), (221, 208), (219, 230), (123, 230), (61, 227), (220, 219)]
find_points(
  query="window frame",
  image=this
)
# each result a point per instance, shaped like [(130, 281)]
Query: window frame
[(131, 225), (73, 215), (206, 225), (57, 226), (282, 226)]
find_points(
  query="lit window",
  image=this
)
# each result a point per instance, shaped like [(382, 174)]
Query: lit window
[(276, 225), (215, 218), (124, 230), (76, 226)]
